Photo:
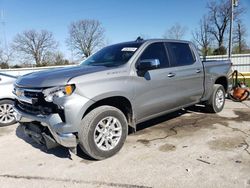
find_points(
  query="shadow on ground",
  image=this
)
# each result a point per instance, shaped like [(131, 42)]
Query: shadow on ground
[(59, 151), (196, 116), (185, 123), (168, 125), (170, 116)]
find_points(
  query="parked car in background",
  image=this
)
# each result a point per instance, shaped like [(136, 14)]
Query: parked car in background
[(6, 99)]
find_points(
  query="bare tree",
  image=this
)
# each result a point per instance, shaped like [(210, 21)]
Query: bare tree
[(35, 44), (176, 32), (3, 64), (55, 58), (202, 36), (5, 57), (85, 37), (220, 18), (239, 38), (1, 56)]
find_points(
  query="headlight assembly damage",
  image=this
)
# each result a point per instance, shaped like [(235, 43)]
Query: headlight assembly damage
[(57, 92)]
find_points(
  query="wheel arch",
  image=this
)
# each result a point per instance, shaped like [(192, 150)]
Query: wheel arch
[(11, 99), (120, 102), (222, 81)]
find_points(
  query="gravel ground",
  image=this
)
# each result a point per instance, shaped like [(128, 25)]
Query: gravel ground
[(184, 149)]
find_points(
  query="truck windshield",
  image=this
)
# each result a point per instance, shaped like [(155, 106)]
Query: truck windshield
[(114, 55)]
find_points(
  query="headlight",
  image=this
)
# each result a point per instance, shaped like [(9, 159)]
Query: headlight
[(56, 92)]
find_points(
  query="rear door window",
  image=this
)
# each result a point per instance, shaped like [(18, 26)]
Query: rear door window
[(180, 54)]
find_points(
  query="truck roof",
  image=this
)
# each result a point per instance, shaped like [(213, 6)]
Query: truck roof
[(154, 40)]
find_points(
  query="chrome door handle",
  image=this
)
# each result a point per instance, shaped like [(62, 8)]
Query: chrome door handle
[(171, 74), (198, 70)]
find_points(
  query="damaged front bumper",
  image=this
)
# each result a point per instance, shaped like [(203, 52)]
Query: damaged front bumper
[(44, 129)]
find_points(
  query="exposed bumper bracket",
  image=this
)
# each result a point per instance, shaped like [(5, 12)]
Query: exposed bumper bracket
[(41, 138), (65, 139)]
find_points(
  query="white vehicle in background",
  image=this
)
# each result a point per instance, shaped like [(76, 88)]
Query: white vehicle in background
[(6, 99)]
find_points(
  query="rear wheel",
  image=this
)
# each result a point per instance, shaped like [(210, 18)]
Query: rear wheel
[(7, 112), (217, 100), (103, 132)]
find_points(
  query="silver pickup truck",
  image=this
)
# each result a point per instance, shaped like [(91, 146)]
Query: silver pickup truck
[(94, 104)]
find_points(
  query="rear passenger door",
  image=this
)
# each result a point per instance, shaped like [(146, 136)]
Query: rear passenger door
[(187, 73)]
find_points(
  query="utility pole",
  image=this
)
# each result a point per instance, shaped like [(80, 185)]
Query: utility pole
[(234, 3), (2, 22)]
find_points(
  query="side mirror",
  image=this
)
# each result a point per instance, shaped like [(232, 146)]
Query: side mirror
[(148, 64)]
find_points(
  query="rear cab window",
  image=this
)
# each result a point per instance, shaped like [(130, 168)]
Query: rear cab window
[(180, 54)]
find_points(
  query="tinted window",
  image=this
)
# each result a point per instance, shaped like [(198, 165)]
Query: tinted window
[(156, 51), (180, 54), (114, 55)]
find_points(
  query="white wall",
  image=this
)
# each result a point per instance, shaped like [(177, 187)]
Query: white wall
[(241, 62), (22, 71)]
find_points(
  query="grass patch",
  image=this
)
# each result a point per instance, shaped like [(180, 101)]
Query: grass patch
[(247, 81)]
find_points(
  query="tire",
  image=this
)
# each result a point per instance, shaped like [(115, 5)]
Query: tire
[(217, 100), (101, 127), (7, 113)]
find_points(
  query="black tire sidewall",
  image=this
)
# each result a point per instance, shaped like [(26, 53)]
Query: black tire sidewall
[(94, 151)]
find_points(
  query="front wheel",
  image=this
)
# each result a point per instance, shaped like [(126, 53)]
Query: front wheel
[(103, 132), (217, 100)]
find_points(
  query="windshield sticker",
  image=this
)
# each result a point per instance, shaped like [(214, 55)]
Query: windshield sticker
[(129, 49)]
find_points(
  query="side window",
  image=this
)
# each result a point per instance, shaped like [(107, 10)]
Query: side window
[(156, 51), (180, 54)]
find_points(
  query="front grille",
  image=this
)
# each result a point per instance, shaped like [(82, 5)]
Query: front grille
[(34, 109), (39, 106), (26, 107), (33, 94)]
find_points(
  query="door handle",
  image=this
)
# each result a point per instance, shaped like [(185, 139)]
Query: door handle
[(170, 75), (198, 70)]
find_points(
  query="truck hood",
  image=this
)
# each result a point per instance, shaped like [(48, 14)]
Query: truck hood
[(55, 77)]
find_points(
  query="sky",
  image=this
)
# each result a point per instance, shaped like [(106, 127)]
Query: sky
[(123, 20)]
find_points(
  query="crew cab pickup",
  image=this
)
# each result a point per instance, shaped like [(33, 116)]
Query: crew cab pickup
[(94, 104)]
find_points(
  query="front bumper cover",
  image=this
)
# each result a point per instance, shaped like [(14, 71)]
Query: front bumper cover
[(53, 122)]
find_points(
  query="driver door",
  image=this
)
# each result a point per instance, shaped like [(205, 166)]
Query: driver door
[(155, 89)]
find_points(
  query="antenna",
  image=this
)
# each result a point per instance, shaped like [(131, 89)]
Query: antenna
[(139, 39)]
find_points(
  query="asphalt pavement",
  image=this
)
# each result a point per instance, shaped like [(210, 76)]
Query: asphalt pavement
[(188, 148)]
